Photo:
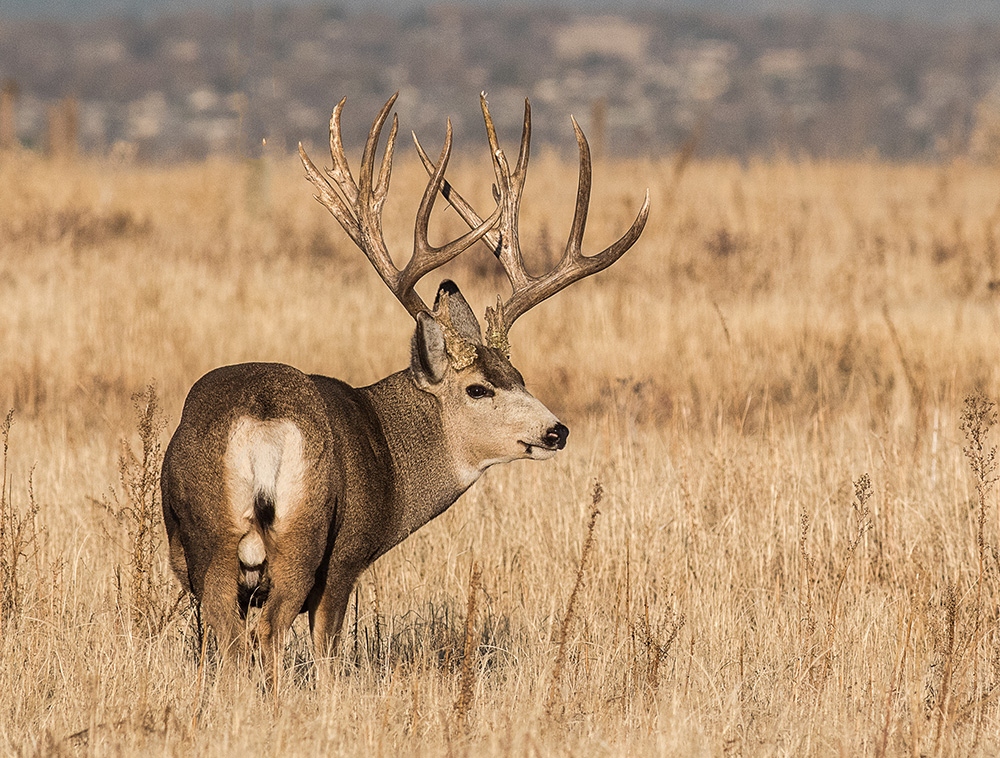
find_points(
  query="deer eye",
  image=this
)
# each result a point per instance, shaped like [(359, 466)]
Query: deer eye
[(477, 391)]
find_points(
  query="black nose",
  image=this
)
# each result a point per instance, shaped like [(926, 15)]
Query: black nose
[(556, 436)]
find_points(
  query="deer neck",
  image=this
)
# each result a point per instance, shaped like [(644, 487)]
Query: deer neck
[(424, 480)]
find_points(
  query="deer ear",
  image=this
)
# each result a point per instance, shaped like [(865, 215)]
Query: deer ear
[(462, 317), (428, 354)]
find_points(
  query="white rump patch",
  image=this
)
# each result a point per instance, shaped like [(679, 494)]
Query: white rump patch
[(264, 457)]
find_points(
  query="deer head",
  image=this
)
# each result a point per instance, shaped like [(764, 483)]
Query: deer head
[(489, 415)]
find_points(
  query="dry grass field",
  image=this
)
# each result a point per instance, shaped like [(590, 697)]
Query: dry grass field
[(796, 551)]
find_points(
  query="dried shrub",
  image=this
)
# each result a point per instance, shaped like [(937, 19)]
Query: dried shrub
[(138, 510), (18, 540)]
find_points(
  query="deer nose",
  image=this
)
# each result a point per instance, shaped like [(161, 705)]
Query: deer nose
[(556, 436)]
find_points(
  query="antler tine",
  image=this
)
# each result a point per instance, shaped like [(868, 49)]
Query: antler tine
[(369, 205), (344, 213), (583, 186), (426, 257), (574, 265), (358, 207), (341, 172), (520, 170), (508, 252), (376, 193)]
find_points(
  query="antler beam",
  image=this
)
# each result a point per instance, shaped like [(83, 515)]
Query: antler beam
[(528, 291), (357, 206)]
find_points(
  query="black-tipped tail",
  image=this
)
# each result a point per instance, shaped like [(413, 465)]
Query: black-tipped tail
[(263, 509)]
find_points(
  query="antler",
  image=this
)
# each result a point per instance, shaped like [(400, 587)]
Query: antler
[(528, 291), (358, 208)]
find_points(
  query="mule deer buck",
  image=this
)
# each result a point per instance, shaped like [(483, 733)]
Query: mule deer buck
[(280, 488)]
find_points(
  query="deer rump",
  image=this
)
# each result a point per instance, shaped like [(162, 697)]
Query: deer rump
[(286, 448)]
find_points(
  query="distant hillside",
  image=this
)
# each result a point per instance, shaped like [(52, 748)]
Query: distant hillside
[(193, 83), (933, 10)]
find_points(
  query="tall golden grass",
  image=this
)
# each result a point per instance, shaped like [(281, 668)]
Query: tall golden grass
[(795, 549)]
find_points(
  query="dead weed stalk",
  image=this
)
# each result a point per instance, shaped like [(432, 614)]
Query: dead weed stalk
[(467, 676), (596, 497)]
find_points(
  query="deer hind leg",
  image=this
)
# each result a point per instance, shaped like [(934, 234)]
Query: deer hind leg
[(204, 559), (175, 546), (218, 602), (292, 572), (326, 618), (289, 587)]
